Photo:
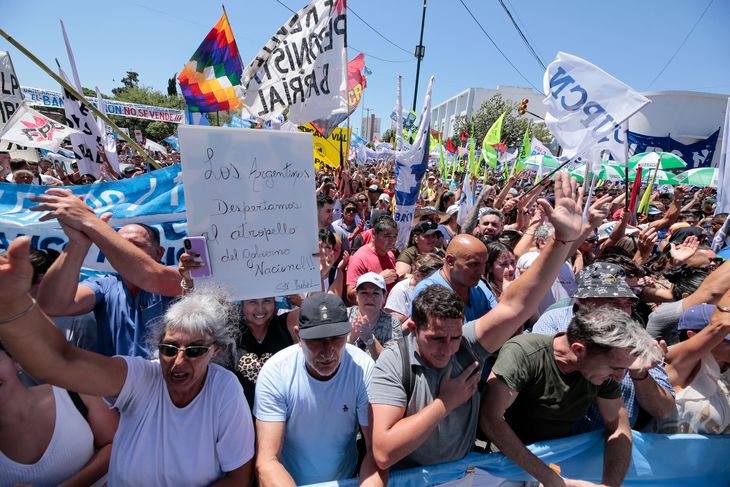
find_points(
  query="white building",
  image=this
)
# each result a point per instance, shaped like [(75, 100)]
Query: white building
[(466, 103), (370, 127)]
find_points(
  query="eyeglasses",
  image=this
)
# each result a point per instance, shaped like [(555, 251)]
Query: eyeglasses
[(194, 351), (350, 210), (362, 200)]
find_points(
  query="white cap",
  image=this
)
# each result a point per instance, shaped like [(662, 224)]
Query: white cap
[(372, 278), (452, 209), (604, 231), (384, 197)]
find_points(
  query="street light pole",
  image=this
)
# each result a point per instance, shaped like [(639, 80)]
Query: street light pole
[(420, 52)]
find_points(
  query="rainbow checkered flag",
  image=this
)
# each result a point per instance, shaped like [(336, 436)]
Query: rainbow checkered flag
[(207, 81)]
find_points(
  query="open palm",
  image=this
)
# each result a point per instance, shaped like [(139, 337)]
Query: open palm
[(566, 216)]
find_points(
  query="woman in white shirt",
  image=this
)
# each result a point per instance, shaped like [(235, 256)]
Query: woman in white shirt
[(184, 420)]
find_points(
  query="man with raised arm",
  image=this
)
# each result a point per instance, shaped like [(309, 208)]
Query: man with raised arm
[(430, 415), (124, 304)]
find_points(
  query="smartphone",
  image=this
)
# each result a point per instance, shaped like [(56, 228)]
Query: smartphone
[(199, 246)]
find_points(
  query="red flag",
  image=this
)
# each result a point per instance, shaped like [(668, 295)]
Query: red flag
[(449, 146), (464, 135)]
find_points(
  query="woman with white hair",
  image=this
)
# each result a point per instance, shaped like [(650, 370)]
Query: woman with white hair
[(183, 421)]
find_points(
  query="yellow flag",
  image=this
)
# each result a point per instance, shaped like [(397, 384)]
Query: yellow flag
[(327, 150)]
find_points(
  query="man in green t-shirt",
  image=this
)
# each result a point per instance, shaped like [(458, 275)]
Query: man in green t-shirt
[(542, 385)]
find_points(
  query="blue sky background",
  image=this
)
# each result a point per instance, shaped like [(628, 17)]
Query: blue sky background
[(632, 40)]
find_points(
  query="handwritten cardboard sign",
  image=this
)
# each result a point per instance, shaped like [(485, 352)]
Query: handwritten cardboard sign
[(252, 194)]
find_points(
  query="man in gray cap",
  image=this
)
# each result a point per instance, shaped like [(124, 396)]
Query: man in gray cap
[(603, 284), (319, 384)]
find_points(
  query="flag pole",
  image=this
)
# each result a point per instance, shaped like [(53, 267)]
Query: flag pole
[(626, 163), (346, 75), (78, 95)]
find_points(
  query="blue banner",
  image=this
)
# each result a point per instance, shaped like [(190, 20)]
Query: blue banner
[(657, 460), (156, 199), (698, 154)]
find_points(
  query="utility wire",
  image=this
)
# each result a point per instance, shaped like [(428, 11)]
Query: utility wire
[(524, 28), (498, 49), (522, 35), (358, 50), (671, 58), (377, 32)]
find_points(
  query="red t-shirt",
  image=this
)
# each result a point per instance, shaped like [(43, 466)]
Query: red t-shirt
[(366, 260)]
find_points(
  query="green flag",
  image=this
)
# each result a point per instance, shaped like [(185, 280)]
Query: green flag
[(442, 163), (493, 136), (519, 164), (526, 149)]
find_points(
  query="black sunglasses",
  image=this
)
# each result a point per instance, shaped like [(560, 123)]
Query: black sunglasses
[(350, 210), (362, 200), (194, 351)]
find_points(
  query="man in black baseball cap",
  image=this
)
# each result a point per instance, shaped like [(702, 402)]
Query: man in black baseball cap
[(319, 384)]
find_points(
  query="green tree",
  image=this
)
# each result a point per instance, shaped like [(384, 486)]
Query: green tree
[(131, 92), (513, 128)]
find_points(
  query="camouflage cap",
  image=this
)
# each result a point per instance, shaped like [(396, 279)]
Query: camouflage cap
[(603, 280)]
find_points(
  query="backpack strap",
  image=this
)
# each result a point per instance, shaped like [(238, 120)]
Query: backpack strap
[(407, 376), (79, 403)]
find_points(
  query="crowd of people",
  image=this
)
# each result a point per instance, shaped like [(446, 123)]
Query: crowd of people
[(527, 319), (51, 170)]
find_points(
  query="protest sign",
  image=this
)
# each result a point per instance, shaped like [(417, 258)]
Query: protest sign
[(32, 129), (49, 98), (302, 67), (251, 193), (155, 199), (327, 149), (584, 103), (10, 94)]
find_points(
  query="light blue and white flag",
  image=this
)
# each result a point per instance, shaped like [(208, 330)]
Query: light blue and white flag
[(156, 199), (410, 166)]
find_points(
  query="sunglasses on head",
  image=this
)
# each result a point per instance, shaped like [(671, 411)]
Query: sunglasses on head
[(193, 351)]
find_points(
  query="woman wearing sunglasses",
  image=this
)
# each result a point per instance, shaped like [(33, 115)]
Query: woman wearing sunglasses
[(183, 421)]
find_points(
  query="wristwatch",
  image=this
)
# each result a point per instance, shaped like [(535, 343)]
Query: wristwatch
[(370, 341)]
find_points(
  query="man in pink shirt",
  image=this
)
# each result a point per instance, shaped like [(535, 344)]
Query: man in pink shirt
[(375, 256)]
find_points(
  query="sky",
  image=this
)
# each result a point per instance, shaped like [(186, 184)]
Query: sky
[(648, 44)]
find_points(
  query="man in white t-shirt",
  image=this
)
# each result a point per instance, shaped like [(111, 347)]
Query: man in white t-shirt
[(310, 399), (564, 285)]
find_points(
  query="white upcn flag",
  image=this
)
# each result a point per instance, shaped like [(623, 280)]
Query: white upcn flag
[(30, 128), (410, 166), (301, 67), (584, 103), (723, 166)]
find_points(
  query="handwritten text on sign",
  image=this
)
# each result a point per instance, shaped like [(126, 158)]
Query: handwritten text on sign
[(251, 193)]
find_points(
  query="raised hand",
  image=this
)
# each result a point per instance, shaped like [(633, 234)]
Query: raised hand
[(63, 205), (16, 272), (647, 240), (598, 211), (681, 253), (567, 214)]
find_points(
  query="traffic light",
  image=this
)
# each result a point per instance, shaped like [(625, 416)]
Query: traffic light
[(523, 106)]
